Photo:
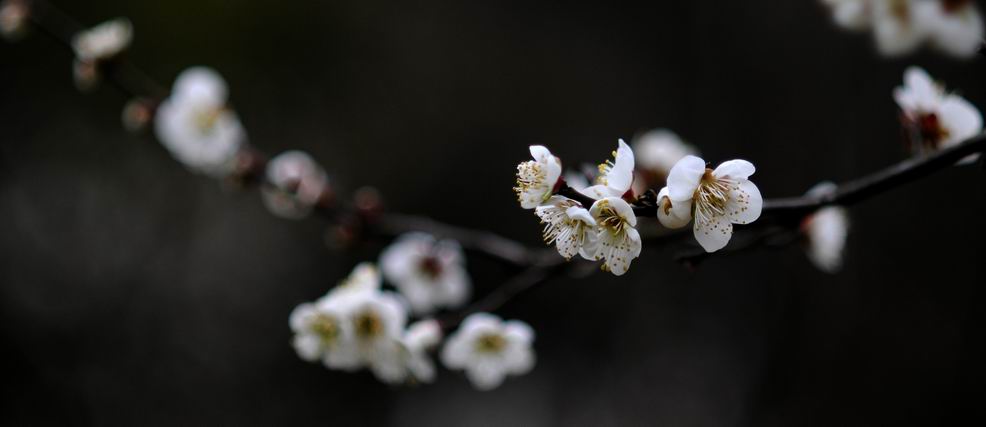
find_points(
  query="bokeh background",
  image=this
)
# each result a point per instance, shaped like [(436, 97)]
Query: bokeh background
[(136, 293)]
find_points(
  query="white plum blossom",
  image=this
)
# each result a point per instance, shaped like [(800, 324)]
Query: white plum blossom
[(354, 326), (826, 231), (417, 341), (934, 118), (617, 242), (431, 274), (196, 125), (537, 179), (96, 45), (103, 41), (489, 349), (615, 176), (568, 225), (658, 151), (954, 27), (719, 198), (295, 184), (673, 215)]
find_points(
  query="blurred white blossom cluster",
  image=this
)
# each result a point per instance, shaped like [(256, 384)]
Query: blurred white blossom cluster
[(97, 46), (359, 325), (715, 199), (934, 119), (954, 27)]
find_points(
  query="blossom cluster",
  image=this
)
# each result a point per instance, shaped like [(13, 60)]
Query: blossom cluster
[(933, 118), (715, 199), (359, 325), (954, 27)]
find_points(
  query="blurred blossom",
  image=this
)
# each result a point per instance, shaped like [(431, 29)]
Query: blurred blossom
[(420, 338), (96, 45), (137, 114), (356, 325), (934, 119), (488, 349), (568, 225), (13, 18), (617, 241), (296, 183), (826, 231), (615, 176), (577, 180), (196, 125), (717, 198), (954, 27), (537, 179), (657, 152), (431, 274)]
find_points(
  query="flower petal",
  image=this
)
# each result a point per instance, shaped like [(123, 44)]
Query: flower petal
[(620, 177), (684, 178), (735, 169), (713, 234), (745, 203)]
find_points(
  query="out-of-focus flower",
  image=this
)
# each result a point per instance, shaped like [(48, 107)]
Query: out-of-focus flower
[(954, 27), (721, 197), (417, 340), (488, 349), (933, 118), (137, 114), (97, 45), (670, 214), (615, 176), (826, 231), (14, 15), (617, 241), (430, 274), (850, 14), (577, 180), (568, 225), (196, 125), (355, 325), (295, 184), (537, 179), (657, 152)]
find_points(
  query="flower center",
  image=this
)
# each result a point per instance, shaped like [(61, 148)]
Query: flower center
[(430, 266), (931, 130), (325, 327), (205, 119), (610, 219), (712, 196), (530, 175), (952, 6), (490, 343), (368, 324), (901, 10)]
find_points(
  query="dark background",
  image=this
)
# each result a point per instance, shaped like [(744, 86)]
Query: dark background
[(134, 292)]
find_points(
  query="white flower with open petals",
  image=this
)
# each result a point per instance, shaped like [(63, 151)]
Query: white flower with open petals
[(719, 198), (431, 274), (488, 349), (659, 150), (826, 231), (567, 225), (673, 215), (295, 184), (417, 341), (537, 179), (935, 119), (615, 176), (196, 125), (900, 26), (617, 241), (377, 320), (323, 332)]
